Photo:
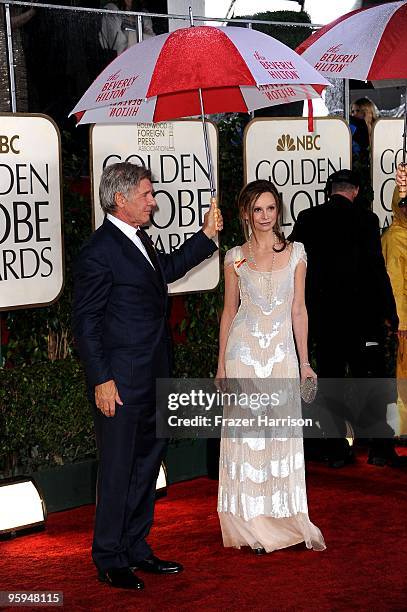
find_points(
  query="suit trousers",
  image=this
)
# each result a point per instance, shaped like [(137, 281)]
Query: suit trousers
[(345, 353), (129, 461)]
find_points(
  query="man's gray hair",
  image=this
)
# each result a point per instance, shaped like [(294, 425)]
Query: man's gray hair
[(119, 178)]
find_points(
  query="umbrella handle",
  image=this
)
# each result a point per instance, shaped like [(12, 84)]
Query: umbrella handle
[(214, 201)]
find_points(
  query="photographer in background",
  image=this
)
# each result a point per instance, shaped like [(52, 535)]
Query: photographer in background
[(118, 32)]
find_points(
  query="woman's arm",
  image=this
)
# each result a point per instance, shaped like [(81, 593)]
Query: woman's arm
[(230, 307), (299, 319)]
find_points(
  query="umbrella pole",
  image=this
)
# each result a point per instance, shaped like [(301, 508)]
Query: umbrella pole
[(208, 153), (213, 200)]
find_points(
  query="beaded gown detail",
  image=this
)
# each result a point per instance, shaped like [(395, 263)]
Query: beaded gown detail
[(262, 499)]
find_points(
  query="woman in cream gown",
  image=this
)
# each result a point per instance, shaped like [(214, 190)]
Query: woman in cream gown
[(262, 500)]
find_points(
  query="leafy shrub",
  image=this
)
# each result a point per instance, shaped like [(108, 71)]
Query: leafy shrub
[(45, 419)]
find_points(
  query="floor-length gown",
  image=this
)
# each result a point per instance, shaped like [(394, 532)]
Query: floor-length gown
[(262, 500)]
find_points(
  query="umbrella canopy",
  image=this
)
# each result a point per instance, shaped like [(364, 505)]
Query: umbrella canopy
[(367, 44), (220, 69)]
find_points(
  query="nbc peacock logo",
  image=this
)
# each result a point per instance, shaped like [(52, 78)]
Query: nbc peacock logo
[(306, 142), (285, 143)]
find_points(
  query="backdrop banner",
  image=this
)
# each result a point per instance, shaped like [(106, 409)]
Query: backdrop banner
[(175, 153), (31, 256), (296, 161), (387, 154)]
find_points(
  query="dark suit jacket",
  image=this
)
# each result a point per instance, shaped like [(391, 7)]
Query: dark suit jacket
[(347, 283), (120, 308)]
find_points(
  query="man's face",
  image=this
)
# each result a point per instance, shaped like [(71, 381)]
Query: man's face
[(136, 208)]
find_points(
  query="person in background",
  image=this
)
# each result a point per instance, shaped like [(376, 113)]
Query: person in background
[(119, 32), (363, 108), (394, 244), (350, 304), (360, 139)]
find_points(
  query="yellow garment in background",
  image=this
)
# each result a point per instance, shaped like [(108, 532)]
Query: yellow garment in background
[(394, 245)]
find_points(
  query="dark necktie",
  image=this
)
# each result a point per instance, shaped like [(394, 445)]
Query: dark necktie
[(149, 247)]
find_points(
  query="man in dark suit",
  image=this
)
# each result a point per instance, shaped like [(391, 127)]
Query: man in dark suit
[(350, 303), (120, 325)]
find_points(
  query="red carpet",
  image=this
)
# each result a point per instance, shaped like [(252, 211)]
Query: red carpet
[(360, 509)]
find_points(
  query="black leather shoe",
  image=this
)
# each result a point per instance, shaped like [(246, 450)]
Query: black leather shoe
[(336, 463), (259, 551), (340, 462), (340, 453), (391, 458), (346, 457), (121, 578), (376, 460), (154, 565), (397, 461)]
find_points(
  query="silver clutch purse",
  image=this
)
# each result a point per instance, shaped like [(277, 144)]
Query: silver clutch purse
[(308, 390)]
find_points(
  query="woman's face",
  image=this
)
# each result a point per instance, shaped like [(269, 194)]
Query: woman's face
[(357, 112), (264, 213)]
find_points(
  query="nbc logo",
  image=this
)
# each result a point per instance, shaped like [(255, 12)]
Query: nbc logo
[(307, 142), (285, 143)]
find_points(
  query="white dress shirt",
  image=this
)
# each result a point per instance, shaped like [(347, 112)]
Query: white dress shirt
[(130, 232)]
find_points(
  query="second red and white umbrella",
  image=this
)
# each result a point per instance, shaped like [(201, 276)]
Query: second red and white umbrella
[(368, 44)]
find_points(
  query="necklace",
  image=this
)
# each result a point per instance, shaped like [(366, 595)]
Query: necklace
[(269, 276), (252, 259)]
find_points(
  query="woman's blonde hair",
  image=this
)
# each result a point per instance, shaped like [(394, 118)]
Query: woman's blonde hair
[(366, 105)]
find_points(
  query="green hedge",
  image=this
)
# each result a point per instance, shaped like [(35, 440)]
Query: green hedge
[(45, 416), (45, 419), (291, 36)]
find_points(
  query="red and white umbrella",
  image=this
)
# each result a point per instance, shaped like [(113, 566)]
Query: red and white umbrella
[(198, 70), (368, 44), (235, 69)]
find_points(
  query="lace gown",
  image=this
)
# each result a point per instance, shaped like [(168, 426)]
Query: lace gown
[(262, 500)]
